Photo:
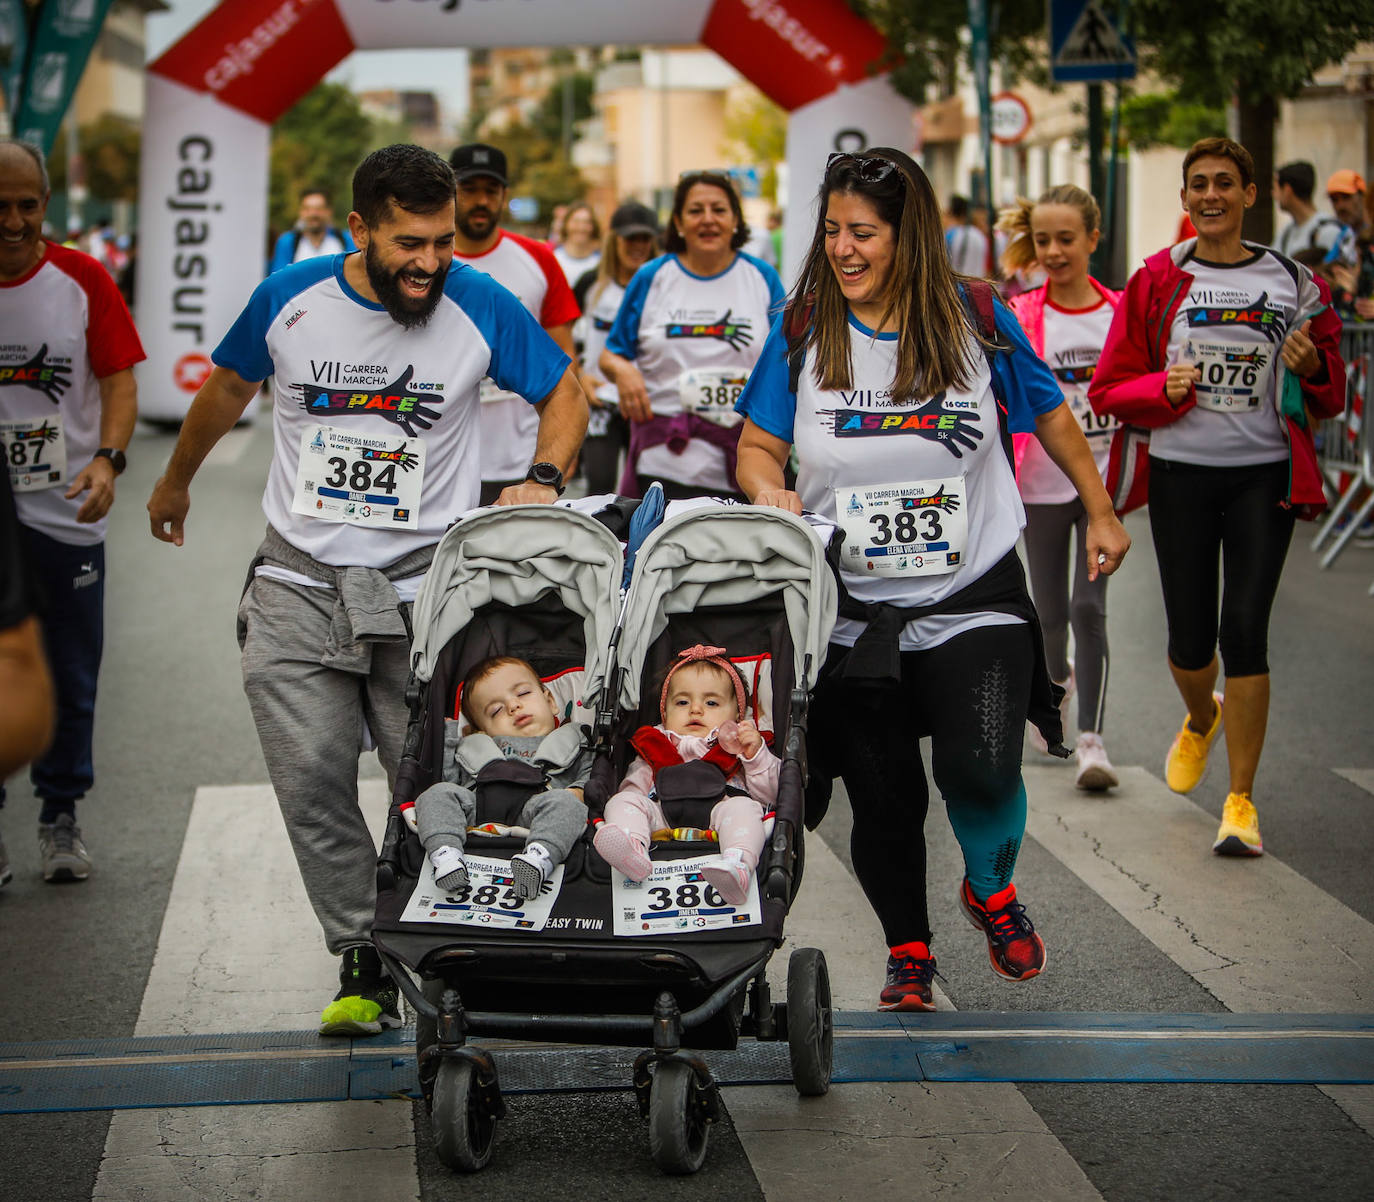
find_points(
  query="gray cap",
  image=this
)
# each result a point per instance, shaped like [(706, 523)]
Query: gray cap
[(634, 218)]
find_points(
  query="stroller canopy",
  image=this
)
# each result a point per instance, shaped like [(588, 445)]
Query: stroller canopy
[(725, 555), (514, 554)]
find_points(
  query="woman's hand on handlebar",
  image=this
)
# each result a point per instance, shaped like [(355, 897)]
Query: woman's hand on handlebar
[(779, 498)]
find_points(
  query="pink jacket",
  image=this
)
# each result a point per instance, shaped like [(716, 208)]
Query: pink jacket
[(1129, 381), (1029, 308)]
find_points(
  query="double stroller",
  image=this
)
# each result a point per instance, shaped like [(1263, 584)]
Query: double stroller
[(593, 960)]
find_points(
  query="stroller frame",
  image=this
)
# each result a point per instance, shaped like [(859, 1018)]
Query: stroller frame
[(674, 1087)]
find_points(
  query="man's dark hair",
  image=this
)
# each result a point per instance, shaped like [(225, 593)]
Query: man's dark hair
[(322, 193), (1301, 177), (959, 207), (410, 177)]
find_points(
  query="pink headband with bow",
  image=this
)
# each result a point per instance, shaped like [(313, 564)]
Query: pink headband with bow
[(708, 655)]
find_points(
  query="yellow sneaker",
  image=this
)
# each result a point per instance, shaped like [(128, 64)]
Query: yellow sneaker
[(1239, 833), (1186, 763)]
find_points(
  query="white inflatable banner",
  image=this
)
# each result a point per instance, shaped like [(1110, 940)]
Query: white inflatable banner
[(212, 97)]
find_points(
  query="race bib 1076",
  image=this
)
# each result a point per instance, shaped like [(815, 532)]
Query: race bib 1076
[(366, 479), (918, 528), (1235, 375)]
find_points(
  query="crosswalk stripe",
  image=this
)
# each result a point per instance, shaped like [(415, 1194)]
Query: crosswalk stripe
[(1254, 933), (1257, 935), (240, 950), (1363, 777)]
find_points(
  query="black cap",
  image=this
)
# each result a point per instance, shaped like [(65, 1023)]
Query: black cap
[(477, 158), (634, 218)]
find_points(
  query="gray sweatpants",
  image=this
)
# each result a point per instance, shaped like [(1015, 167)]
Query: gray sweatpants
[(310, 721), (1048, 536), (444, 811)]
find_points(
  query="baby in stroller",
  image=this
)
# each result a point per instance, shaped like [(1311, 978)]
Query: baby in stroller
[(709, 761), (518, 739)]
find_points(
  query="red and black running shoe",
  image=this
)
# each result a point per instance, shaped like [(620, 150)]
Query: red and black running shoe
[(909, 978), (1014, 949)]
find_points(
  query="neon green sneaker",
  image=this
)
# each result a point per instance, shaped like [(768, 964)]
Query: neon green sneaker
[(1239, 833), (367, 1002), (1186, 763)]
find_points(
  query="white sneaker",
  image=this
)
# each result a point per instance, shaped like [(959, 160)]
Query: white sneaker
[(450, 869), (530, 870), (1095, 771), (1070, 687)]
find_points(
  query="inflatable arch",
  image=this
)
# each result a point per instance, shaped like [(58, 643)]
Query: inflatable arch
[(211, 99)]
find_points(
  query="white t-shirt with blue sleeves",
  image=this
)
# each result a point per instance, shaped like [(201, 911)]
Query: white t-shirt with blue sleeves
[(672, 323), (340, 361), (852, 440)]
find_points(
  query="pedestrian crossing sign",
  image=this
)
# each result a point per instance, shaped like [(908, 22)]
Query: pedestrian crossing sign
[(1086, 46)]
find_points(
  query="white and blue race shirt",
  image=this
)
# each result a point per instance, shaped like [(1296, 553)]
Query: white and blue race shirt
[(1231, 325), (402, 403), (672, 324), (924, 492)]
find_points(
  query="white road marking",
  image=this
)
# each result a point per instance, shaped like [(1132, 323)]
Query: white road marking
[(240, 951), (1363, 777), (875, 1140), (1255, 934)]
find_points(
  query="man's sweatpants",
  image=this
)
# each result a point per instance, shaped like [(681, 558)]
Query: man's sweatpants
[(310, 722)]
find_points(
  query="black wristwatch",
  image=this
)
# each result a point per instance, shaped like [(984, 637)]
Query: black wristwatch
[(546, 474), (116, 458)]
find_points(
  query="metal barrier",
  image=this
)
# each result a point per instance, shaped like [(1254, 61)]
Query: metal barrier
[(1345, 448)]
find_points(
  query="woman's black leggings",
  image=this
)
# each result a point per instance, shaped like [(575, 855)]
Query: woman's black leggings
[(969, 695), (1197, 515)]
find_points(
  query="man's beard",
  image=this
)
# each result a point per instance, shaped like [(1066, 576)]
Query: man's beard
[(405, 310), (470, 231)]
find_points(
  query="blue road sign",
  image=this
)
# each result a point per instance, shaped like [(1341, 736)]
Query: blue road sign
[(1085, 44)]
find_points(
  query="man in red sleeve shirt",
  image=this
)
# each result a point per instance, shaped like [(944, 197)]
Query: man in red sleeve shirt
[(68, 404), (528, 269)]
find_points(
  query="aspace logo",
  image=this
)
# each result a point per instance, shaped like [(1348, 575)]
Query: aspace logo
[(736, 331), (932, 421), (397, 402), (49, 377), (1079, 373), (1269, 320)]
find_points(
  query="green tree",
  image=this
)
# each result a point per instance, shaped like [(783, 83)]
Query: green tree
[(756, 130), (1256, 53), (109, 148), (926, 41), (547, 118), (538, 168), (1166, 119), (317, 143)]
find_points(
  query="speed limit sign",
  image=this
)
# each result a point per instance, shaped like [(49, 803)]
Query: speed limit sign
[(1011, 118)]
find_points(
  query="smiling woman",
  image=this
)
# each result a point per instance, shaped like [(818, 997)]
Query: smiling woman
[(1217, 359), (878, 376), (685, 338)]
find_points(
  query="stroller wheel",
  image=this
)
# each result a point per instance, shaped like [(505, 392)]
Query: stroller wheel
[(679, 1125), (810, 1026), (463, 1116)]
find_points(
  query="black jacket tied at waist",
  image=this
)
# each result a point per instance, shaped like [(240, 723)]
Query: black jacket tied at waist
[(876, 655)]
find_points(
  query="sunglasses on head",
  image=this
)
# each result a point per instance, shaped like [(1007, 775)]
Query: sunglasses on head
[(868, 168)]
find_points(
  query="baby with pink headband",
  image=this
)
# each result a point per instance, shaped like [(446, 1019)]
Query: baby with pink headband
[(703, 712)]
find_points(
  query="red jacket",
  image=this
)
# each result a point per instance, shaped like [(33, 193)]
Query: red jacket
[(1129, 380)]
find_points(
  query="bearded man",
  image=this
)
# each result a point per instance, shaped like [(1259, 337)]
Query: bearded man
[(375, 358)]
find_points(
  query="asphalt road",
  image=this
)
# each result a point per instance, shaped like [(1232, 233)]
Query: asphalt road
[(172, 718)]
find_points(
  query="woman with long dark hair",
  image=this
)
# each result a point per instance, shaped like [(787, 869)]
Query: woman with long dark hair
[(898, 382)]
